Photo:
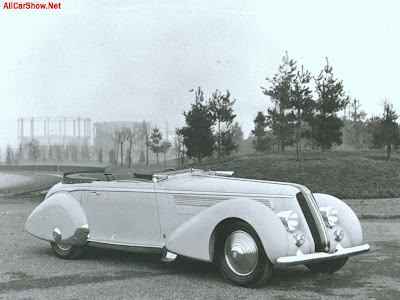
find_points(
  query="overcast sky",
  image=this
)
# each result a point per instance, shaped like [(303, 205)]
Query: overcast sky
[(137, 60)]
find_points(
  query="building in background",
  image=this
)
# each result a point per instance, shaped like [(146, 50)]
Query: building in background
[(61, 133), (67, 139)]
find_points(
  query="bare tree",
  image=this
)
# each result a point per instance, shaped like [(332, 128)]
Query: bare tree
[(34, 150), (131, 134), (165, 145), (9, 155), (123, 138), (179, 147), (100, 156), (116, 139), (146, 129)]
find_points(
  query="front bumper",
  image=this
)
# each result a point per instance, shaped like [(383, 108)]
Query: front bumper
[(301, 259)]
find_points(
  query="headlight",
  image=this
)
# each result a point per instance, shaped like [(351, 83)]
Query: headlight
[(290, 219), (330, 216)]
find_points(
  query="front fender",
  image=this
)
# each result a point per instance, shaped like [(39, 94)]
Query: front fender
[(192, 239), (61, 211), (347, 218)]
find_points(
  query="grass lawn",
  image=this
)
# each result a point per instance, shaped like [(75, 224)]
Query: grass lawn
[(344, 174)]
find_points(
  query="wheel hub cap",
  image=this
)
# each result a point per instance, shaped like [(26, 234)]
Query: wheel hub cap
[(241, 252)]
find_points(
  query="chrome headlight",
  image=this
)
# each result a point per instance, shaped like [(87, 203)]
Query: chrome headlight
[(290, 220), (330, 216)]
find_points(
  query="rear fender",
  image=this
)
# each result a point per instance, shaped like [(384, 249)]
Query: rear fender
[(347, 219), (194, 237), (60, 219)]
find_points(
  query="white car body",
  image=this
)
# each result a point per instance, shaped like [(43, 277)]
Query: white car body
[(180, 213)]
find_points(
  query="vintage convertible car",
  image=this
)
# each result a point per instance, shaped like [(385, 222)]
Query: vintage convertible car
[(245, 226)]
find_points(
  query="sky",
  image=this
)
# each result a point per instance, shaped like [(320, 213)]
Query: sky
[(137, 60)]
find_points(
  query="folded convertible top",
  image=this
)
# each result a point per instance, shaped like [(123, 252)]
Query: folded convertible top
[(71, 178)]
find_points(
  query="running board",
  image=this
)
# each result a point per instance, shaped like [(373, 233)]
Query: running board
[(126, 247)]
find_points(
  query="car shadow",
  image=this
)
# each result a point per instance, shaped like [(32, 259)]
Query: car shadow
[(124, 265)]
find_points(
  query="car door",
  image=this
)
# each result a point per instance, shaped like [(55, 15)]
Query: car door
[(122, 213)]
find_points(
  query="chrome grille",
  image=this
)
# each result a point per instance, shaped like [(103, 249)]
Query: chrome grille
[(314, 220)]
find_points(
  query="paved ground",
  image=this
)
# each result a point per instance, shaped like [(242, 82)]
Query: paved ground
[(29, 269), (22, 181)]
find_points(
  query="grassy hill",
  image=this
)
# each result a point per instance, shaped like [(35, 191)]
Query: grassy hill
[(344, 174)]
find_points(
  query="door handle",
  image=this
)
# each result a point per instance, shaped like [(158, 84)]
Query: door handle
[(95, 193)]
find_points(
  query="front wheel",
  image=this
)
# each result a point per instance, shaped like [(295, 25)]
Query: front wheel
[(67, 251), (328, 266), (241, 256)]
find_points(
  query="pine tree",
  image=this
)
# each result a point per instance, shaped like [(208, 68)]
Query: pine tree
[(237, 135), (387, 133), (278, 118), (198, 136), (302, 105), (262, 142), (222, 112), (326, 125), (227, 143), (155, 141)]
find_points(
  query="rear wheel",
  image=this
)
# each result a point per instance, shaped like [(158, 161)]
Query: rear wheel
[(328, 266), (66, 251), (241, 256)]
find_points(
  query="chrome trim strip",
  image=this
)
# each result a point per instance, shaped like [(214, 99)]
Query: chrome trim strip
[(124, 244), (194, 193), (117, 189), (301, 258), (126, 247)]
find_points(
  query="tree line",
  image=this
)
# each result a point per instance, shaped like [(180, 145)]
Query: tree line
[(33, 151), (306, 108), (150, 136), (304, 112)]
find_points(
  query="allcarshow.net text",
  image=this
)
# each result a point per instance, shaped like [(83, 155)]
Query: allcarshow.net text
[(31, 5)]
